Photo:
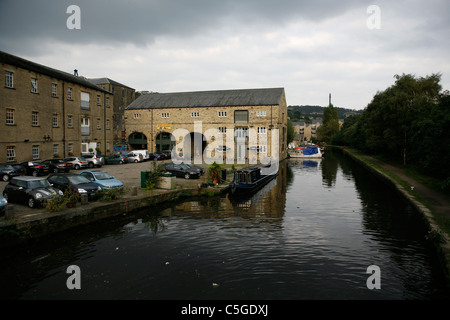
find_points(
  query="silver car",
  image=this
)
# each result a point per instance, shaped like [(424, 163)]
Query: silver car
[(94, 160), (77, 162)]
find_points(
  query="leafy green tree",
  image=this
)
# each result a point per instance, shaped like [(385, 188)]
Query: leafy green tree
[(330, 124), (290, 132)]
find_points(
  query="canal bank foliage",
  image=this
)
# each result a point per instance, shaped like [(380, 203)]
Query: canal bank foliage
[(408, 122)]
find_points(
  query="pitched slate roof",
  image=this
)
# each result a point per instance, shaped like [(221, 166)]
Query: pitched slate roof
[(98, 81), (218, 98), (38, 68)]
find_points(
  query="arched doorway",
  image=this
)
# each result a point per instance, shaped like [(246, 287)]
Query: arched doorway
[(164, 141), (137, 140)]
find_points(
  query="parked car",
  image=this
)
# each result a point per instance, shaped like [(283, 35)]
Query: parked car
[(201, 171), (167, 153), (182, 170), (145, 154), (102, 178), (77, 162), (78, 183), (135, 157), (155, 155), (32, 191), (35, 168), (116, 159), (7, 171), (57, 165), (94, 160), (3, 204), (162, 155)]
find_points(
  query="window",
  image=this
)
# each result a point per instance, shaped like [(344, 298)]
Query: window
[(69, 93), (54, 90), (9, 76), (98, 99), (10, 153), (55, 149), (69, 121), (165, 115), (241, 116), (85, 129), (35, 118), (107, 102), (10, 113), (195, 114), (222, 113), (137, 116), (261, 113), (107, 123), (262, 130), (35, 152), (98, 124), (34, 85), (55, 120), (70, 147), (222, 129), (85, 100)]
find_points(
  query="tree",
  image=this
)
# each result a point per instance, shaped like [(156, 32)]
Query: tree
[(290, 132), (330, 124)]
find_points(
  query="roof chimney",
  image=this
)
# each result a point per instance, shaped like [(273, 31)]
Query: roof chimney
[(75, 72)]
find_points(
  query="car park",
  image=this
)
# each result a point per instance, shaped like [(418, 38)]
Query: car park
[(75, 182), (57, 165), (116, 159), (35, 168), (7, 171), (102, 178), (32, 191), (182, 170), (3, 204), (77, 162), (94, 160)]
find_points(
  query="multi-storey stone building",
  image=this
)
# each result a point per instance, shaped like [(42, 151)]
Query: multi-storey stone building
[(231, 125), (123, 96), (49, 113)]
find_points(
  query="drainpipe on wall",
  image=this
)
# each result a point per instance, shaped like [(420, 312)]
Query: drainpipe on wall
[(63, 121)]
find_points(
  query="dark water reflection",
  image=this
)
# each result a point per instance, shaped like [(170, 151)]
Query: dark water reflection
[(310, 234)]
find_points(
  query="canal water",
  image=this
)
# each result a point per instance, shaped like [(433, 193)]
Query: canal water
[(310, 234)]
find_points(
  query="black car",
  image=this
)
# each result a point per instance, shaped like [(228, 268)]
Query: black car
[(201, 171), (182, 170), (57, 165), (35, 168), (167, 153), (155, 155), (32, 191), (7, 171), (76, 182)]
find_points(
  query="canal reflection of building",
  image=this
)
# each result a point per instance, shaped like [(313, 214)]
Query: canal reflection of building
[(268, 202)]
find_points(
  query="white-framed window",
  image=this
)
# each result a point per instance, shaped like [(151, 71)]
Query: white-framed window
[(107, 102), (55, 149), (35, 118), (107, 123), (70, 147), (69, 93), (136, 116), (165, 115), (35, 152), (262, 130), (222, 113), (222, 129), (55, 120), (10, 116), (195, 114), (98, 99), (261, 113), (98, 124), (34, 85), (54, 90), (10, 153), (9, 79), (85, 100), (70, 121)]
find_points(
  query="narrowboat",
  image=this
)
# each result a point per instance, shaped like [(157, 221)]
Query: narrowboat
[(310, 152), (249, 180)]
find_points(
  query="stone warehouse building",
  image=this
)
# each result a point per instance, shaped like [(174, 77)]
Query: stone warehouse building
[(123, 96), (49, 113), (229, 125)]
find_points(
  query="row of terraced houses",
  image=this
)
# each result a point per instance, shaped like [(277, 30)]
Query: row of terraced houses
[(48, 113)]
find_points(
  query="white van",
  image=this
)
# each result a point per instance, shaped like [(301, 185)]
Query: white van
[(144, 153)]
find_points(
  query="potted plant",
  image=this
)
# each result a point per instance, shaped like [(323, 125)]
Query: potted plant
[(213, 173)]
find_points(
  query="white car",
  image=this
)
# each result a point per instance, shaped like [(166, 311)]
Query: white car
[(135, 157)]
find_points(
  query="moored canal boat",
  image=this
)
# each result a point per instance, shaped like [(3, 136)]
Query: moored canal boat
[(310, 152), (247, 181)]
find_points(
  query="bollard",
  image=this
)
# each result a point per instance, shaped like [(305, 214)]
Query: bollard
[(84, 199), (9, 213)]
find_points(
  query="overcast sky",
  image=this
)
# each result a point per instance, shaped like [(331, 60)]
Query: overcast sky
[(311, 48)]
